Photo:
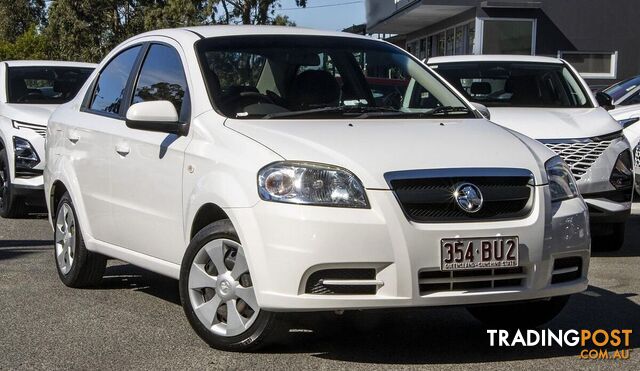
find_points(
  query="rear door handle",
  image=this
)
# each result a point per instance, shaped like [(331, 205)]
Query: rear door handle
[(73, 137), (123, 149)]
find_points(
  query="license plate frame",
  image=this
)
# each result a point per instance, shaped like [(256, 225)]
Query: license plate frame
[(460, 254)]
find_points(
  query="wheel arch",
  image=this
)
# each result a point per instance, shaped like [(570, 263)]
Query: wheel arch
[(206, 214), (58, 189)]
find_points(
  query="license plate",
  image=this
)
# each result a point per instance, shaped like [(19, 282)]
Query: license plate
[(479, 253)]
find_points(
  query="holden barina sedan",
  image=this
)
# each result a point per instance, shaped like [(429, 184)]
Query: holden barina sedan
[(256, 166), (29, 92)]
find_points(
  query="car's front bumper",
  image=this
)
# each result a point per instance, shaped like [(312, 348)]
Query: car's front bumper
[(286, 244)]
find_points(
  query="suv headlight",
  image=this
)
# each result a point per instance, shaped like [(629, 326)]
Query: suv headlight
[(25, 155), (311, 184), (561, 182)]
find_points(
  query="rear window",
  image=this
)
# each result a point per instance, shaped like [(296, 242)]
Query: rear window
[(516, 84), (44, 85)]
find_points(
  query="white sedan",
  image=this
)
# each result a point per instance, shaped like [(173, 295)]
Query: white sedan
[(255, 165)]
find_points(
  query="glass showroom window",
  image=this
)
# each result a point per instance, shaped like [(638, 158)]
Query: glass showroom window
[(508, 36), (593, 65)]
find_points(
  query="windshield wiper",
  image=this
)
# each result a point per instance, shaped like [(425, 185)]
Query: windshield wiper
[(444, 110), (341, 109)]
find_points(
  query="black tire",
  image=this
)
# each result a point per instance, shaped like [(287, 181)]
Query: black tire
[(612, 241), (10, 205), (88, 267), (525, 315), (265, 323)]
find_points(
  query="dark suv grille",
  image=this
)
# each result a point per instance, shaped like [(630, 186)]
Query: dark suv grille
[(429, 200)]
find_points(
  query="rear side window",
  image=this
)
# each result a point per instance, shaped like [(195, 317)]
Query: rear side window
[(112, 82), (45, 85), (161, 77)]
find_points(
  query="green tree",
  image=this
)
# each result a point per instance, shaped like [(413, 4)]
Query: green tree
[(252, 11), (86, 30), (19, 16), (29, 45)]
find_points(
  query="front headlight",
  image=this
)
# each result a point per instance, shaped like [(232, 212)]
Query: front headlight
[(561, 182), (311, 184), (26, 156), (622, 174)]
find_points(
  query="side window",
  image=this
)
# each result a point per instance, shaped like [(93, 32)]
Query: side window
[(161, 77), (633, 99), (112, 82)]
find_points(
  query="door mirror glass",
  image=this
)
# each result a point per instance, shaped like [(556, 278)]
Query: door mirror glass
[(160, 116), (605, 100), (483, 110)]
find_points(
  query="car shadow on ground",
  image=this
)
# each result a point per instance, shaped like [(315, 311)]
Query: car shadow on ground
[(120, 275), (408, 336), (448, 335), (631, 246)]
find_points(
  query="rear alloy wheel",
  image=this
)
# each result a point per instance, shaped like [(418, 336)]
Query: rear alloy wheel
[(77, 266), (217, 292), (10, 205)]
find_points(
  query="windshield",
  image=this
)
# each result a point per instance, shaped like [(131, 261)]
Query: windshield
[(45, 85), (516, 84), (292, 77), (621, 89)]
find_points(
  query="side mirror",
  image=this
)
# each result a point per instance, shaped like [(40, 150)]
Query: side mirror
[(160, 116), (483, 110), (605, 100)]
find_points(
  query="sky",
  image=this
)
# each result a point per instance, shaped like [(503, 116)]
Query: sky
[(332, 15)]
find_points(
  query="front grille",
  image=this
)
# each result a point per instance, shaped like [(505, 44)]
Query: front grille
[(473, 279), (566, 270), (431, 200), (356, 281), (637, 157), (580, 155)]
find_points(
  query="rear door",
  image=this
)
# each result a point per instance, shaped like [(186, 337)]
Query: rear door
[(88, 137), (147, 167)]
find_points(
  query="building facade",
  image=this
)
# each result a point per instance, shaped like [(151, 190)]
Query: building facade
[(601, 38)]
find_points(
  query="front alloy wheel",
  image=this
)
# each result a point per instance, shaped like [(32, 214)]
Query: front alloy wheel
[(220, 288), (217, 291)]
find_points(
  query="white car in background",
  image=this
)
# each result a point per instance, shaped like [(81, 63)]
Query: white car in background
[(29, 92), (625, 97), (545, 99), (255, 165)]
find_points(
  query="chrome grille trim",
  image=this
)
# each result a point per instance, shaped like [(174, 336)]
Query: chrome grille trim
[(580, 156), (40, 129)]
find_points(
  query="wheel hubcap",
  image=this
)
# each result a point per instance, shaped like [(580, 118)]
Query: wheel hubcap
[(220, 288), (65, 238)]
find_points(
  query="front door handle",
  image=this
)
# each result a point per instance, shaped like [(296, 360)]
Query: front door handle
[(123, 150)]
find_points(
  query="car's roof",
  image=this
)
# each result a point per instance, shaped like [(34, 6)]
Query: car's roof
[(239, 30), (493, 58), (42, 63)]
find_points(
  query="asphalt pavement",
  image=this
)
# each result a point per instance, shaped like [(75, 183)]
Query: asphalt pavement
[(134, 321)]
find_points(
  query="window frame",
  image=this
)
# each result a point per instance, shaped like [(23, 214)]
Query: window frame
[(480, 30), (185, 110), (89, 95), (611, 75)]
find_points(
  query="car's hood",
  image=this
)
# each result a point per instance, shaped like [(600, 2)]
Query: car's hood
[(625, 112), (371, 148), (556, 123), (29, 113)]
